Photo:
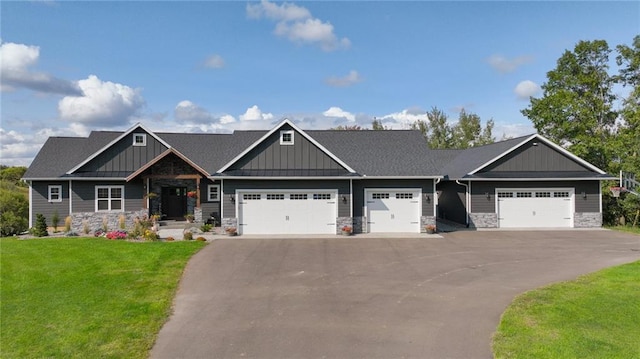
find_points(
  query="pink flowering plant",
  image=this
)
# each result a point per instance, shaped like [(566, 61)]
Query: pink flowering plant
[(116, 235)]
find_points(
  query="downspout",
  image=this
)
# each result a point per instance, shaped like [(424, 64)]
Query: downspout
[(435, 197), (467, 199), (70, 198), (30, 204)]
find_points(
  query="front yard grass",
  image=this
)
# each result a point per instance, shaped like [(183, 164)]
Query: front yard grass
[(595, 316), (86, 297), (628, 229)]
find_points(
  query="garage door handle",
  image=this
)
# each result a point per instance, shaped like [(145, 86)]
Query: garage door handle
[(370, 201), (286, 218)]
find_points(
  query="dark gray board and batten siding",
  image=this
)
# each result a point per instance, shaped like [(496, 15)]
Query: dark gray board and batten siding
[(123, 156), (481, 204), (230, 187), (539, 157), (271, 155)]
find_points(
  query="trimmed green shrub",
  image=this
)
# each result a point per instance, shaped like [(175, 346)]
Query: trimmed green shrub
[(40, 229)]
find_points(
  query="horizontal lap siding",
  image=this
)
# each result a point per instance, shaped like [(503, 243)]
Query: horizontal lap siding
[(426, 185), (207, 207), (84, 194), (480, 203), (230, 187), (40, 201)]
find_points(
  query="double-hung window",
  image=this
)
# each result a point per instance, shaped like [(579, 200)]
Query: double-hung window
[(55, 193), (109, 198), (213, 192)]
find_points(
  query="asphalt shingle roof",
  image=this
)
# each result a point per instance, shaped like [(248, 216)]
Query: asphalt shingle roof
[(395, 153), (457, 163)]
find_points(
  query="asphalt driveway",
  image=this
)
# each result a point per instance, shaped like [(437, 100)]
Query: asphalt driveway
[(357, 297)]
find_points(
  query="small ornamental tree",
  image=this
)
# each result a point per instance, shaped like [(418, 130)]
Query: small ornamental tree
[(55, 221), (40, 229)]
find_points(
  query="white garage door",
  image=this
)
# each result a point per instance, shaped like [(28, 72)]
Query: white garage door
[(396, 210), (526, 208), (287, 212)]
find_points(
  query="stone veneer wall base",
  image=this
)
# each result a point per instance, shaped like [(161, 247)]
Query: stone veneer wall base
[(587, 220), (344, 221), (229, 222), (425, 221), (94, 220), (483, 220)]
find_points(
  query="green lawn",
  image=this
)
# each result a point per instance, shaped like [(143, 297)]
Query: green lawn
[(86, 297), (628, 229), (595, 316)]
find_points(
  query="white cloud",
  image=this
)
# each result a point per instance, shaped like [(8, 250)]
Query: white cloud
[(15, 63), (351, 78), (404, 118), (526, 89), (254, 113), (284, 12), (337, 112), (296, 24), (103, 103), (214, 62), (18, 148), (504, 65), (227, 119), (189, 112)]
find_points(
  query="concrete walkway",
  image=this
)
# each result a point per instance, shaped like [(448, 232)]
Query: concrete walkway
[(363, 297)]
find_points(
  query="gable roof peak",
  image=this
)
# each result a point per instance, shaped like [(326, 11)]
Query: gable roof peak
[(285, 121), (124, 134)]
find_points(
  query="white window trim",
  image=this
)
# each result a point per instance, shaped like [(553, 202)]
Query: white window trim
[(59, 187), (144, 139), (282, 133), (217, 189), (109, 199)]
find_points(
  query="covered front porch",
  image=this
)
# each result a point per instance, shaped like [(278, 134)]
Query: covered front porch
[(176, 189)]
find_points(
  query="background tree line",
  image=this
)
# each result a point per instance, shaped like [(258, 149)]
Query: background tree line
[(14, 201)]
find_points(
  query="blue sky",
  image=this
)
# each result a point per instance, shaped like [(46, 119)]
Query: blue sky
[(72, 67)]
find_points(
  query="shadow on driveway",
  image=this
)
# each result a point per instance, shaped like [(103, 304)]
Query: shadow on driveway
[(348, 297)]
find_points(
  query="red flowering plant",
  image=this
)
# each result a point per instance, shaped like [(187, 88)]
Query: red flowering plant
[(192, 194)]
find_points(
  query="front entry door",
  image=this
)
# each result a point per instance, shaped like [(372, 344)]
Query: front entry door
[(174, 202)]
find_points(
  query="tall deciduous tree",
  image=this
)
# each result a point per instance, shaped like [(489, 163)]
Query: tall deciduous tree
[(628, 139), (576, 108), (468, 132)]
